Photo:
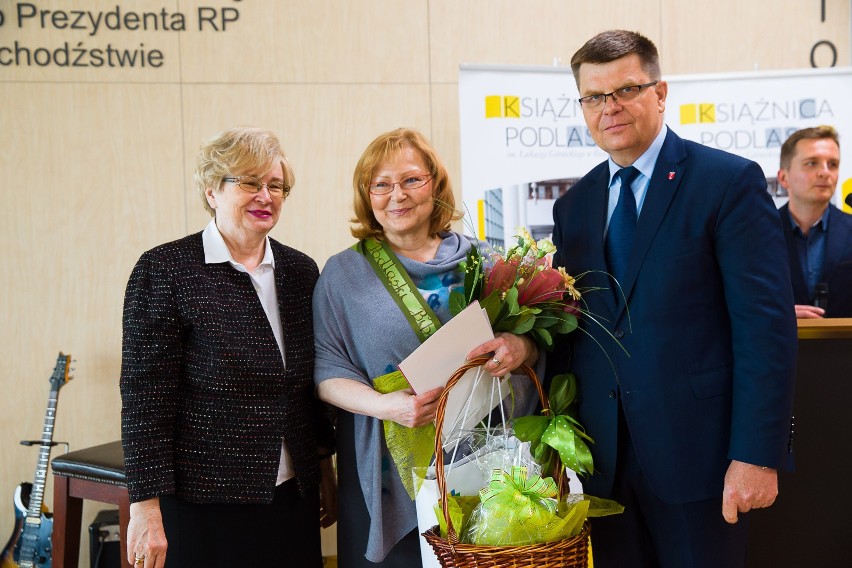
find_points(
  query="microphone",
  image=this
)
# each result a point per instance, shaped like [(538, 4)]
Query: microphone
[(849, 200), (821, 295)]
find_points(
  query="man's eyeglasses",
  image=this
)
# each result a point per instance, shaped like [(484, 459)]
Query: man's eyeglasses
[(622, 95), (253, 185), (385, 186)]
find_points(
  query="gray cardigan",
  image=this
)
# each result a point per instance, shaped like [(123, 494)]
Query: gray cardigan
[(360, 334)]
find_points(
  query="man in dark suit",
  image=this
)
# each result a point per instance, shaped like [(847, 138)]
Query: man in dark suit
[(691, 418), (819, 235)]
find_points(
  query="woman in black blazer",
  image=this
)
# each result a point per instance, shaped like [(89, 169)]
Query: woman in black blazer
[(223, 437)]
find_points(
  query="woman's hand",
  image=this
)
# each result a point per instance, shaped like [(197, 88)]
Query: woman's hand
[(146, 539), (403, 407), (409, 409), (508, 352)]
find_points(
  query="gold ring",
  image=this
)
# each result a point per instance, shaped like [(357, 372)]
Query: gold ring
[(139, 559)]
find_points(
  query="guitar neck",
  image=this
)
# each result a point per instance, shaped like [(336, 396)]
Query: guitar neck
[(29, 539), (40, 478)]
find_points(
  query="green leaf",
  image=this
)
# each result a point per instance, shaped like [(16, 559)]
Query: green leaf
[(458, 302), (512, 300), (563, 389), (525, 323), (542, 337), (530, 428), (492, 306), (546, 319), (505, 322), (539, 451), (567, 323)]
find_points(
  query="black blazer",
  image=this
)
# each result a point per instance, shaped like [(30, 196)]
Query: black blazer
[(706, 374), (836, 267), (205, 396)]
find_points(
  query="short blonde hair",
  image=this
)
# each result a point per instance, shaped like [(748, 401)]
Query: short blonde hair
[(379, 150), (237, 151), (788, 148)]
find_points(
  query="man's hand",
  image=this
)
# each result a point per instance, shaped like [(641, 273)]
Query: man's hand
[(747, 487), (809, 312)]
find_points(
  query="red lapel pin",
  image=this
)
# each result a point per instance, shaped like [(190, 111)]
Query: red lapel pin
[(671, 176)]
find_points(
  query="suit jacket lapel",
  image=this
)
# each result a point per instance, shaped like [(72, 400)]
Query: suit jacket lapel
[(596, 219), (665, 180)]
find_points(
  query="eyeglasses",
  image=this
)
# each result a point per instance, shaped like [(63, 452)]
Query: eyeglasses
[(253, 185), (622, 95), (383, 186)]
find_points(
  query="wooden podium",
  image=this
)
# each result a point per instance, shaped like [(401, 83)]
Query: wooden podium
[(810, 524)]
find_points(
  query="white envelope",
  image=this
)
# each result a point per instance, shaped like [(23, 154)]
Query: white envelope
[(433, 363)]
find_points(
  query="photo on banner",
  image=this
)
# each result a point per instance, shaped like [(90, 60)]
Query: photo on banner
[(524, 141)]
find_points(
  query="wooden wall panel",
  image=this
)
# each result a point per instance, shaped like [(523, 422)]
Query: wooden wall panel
[(300, 41), (97, 162), (535, 32), (731, 35), (445, 133), (89, 174)]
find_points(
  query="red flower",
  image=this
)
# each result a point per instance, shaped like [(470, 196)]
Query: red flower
[(546, 285), (501, 277)]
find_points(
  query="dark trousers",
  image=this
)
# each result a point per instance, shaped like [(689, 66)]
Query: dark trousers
[(353, 521), (281, 534), (651, 533)]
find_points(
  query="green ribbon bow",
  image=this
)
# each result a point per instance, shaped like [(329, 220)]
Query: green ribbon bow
[(515, 488), (514, 510), (557, 430)]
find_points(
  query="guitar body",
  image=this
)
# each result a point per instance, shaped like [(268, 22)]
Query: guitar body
[(11, 556), (29, 546)]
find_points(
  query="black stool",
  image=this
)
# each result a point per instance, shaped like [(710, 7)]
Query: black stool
[(95, 473)]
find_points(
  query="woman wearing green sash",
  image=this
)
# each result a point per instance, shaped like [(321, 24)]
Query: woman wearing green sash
[(373, 305)]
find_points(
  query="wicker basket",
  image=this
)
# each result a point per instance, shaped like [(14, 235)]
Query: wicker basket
[(569, 553)]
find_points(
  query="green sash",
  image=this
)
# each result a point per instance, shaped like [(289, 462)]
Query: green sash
[(409, 448), (384, 261)]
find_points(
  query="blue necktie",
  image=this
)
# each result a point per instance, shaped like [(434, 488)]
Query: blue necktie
[(622, 225)]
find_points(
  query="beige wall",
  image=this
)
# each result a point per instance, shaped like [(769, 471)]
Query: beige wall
[(96, 162)]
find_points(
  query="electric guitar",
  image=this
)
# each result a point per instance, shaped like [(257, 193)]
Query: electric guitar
[(29, 546)]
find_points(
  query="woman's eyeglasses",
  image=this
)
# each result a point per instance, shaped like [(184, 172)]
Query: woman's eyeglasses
[(253, 185), (385, 186)]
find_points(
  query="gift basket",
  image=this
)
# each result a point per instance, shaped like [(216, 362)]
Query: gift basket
[(451, 552)]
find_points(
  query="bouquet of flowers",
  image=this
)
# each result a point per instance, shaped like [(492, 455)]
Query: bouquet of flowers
[(523, 294), (520, 291)]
